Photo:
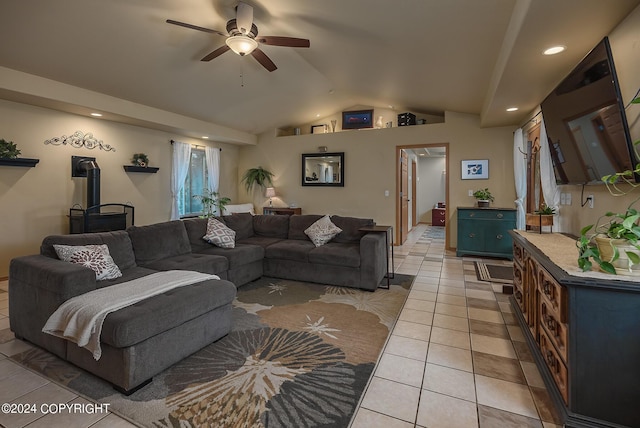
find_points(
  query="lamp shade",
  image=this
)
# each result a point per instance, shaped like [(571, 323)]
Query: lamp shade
[(242, 45), (271, 192)]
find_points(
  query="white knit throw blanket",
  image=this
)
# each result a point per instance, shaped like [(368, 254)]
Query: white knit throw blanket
[(80, 318)]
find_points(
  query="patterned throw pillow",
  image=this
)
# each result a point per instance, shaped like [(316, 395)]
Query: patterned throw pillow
[(322, 231), (95, 257), (219, 234)]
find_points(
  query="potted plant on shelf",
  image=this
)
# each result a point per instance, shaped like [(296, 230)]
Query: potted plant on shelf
[(257, 176), (211, 201), (484, 197), (8, 149), (140, 159), (541, 217)]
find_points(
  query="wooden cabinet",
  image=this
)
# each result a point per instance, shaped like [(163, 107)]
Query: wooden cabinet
[(281, 211), (438, 216), (485, 231), (583, 332)]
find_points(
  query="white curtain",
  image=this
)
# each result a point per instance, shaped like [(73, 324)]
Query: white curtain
[(550, 189), (179, 169), (520, 173), (212, 159)]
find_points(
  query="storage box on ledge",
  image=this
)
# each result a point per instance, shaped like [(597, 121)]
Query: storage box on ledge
[(406, 119)]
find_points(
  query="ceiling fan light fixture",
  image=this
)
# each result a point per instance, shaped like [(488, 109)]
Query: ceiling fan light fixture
[(242, 45)]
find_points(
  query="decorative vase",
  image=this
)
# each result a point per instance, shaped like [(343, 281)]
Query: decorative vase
[(333, 125), (622, 264), (379, 122)]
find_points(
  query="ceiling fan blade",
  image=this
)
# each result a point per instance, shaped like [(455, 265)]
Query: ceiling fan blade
[(244, 17), (195, 27), (264, 60), (292, 42), (216, 53)]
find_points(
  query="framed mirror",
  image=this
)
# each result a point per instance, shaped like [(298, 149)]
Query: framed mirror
[(323, 169)]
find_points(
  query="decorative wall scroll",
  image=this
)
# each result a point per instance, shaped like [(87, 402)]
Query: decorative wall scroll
[(79, 139)]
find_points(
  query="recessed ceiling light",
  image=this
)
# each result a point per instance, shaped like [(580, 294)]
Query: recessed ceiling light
[(96, 114), (318, 115), (204, 137), (554, 50), (512, 109)]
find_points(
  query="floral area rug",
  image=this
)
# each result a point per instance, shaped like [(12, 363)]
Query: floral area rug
[(299, 355)]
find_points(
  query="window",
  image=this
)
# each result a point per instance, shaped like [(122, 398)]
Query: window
[(194, 184)]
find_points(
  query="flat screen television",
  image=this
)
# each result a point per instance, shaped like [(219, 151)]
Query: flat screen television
[(586, 123)]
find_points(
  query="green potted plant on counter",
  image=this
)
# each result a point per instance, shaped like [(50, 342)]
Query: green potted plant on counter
[(484, 197), (613, 243)]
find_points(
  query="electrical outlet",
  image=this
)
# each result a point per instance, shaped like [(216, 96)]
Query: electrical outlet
[(470, 192), (386, 193), (590, 199)]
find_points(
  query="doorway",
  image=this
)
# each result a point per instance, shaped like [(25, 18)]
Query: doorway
[(413, 203)]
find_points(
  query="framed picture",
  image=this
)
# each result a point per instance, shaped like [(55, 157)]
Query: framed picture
[(318, 129), (357, 119), (475, 169)]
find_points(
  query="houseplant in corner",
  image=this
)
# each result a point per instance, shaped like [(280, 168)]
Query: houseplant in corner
[(257, 176), (484, 197)]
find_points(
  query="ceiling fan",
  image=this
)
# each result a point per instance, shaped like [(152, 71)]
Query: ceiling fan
[(242, 37)]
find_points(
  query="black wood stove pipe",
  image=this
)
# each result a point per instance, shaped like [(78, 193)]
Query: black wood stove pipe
[(93, 181)]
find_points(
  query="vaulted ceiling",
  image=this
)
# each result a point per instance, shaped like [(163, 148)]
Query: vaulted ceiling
[(470, 56)]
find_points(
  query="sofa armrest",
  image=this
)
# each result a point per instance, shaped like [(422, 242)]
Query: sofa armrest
[(38, 285), (373, 260), (55, 276)]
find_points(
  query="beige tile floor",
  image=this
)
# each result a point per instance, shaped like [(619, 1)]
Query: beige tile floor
[(456, 358)]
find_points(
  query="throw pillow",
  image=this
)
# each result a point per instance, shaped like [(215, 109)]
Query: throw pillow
[(322, 231), (95, 257), (219, 234)]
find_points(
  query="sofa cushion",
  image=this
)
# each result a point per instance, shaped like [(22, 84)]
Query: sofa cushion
[(157, 314), (159, 241), (350, 226), (299, 223), (95, 257), (262, 241), (322, 231), (241, 255), (242, 223), (338, 254), (271, 226), (196, 228), (119, 243), (204, 263), (219, 235), (290, 249)]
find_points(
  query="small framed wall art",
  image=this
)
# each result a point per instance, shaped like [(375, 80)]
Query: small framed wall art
[(477, 169)]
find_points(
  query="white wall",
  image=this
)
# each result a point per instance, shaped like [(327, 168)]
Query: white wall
[(431, 186)]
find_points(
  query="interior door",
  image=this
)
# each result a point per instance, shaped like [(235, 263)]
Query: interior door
[(404, 196), (414, 193)]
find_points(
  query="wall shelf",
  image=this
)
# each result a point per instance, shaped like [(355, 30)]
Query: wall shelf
[(26, 162), (147, 169)]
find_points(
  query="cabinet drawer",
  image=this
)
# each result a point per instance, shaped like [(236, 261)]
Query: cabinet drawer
[(486, 214), (554, 363), (518, 294), (555, 293), (556, 331)]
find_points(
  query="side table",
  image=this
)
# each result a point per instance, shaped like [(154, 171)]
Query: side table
[(281, 211), (388, 231)]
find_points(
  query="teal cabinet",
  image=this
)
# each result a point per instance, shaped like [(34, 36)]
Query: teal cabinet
[(485, 231)]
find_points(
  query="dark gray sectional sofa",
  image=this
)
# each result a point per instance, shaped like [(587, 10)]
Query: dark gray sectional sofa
[(141, 340)]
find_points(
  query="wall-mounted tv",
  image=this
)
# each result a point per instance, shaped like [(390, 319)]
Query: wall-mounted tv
[(586, 123)]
